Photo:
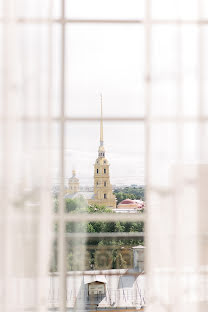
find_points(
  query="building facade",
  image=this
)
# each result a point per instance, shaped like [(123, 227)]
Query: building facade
[(73, 184), (130, 206), (102, 192)]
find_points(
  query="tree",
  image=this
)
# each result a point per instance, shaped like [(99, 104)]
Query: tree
[(131, 192), (70, 205), (119, 227), (99, 209), (111, 246)]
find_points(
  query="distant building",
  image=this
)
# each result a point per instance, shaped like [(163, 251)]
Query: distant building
[(73, 184), (98, 290), (102, 193), (138, 258), (130, 205), (74, 191)]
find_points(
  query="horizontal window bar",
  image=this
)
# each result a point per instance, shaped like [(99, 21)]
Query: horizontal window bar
[(87, 217), (105, 235), (99, 272), (158, 119), (102, 21), (74, 119), (107, 217)]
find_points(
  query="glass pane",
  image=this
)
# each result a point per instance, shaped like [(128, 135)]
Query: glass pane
[(105, 262), (175, 70), (204, 10), (34, 70), (174, 9), (108, 60), (107, 245), (105, 9), (165, 154), (38, 8), (124, 149)]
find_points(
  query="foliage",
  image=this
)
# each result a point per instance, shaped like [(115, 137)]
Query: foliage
[(77, 204), (131, 192), (99, 209), (118, 251)]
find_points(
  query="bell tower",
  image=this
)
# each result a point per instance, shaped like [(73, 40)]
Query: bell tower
[(103, 194), (73, 184)]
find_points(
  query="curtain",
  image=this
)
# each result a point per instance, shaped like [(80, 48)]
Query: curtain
[(25, 138)]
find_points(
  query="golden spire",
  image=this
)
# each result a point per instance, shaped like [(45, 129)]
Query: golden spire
[(101, 121)]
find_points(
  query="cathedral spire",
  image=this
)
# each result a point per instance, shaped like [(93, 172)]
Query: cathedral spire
[(101, 121), (101, 150)]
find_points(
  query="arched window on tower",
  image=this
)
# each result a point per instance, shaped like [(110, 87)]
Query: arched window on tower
[(104, 170), (105, 196), (97, 171), (105, 183)]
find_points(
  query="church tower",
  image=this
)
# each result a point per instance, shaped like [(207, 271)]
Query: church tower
[(103, 194), (73, 184)]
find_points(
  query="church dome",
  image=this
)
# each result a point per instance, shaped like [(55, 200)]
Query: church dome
[(73, 179)]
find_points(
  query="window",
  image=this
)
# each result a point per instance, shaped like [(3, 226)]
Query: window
[(96, 288), (105, 196), (97, 170), (46, 51), (104, 183)]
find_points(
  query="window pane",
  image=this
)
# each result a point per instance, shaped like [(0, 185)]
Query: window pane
[(174, 9), (204, 9), (109, 60), (124, 146), (33, 80), (175, 70), (105, 9), (38, 8), (165, 154)]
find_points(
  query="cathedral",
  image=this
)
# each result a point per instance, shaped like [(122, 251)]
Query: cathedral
[(103, 193)]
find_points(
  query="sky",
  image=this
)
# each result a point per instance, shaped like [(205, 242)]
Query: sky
[(107, 59)]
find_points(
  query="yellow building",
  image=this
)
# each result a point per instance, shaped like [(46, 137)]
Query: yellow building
[(103, 194), (73, 186)]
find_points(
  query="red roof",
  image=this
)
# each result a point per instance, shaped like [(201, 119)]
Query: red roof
[(127, 201)]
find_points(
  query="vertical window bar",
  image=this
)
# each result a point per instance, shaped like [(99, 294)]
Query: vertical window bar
[(147, 99), (8, 138), (201, 81), (202, 157), (61, 228), (46, 200), (147, 26)]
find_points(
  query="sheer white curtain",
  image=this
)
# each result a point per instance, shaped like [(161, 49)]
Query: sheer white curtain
[(177, 169), (25, 210), (176, 154)]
